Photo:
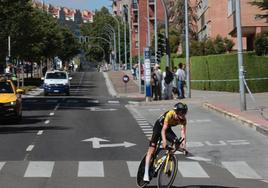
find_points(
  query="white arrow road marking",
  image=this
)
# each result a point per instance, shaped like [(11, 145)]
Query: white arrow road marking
[(96, 143)]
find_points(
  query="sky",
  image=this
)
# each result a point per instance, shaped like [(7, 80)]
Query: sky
[(81, 4)]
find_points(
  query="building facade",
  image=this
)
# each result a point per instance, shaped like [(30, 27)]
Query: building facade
[(218, 18)]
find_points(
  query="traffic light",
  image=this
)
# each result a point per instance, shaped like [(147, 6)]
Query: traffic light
[(161, 46)]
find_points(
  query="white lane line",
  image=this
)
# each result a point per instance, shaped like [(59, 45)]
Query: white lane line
[(198, 158), (90, 169), (147, 129), (47, 122), (144, 126), (40, 132), (39, 169), (192, 170), (141, 124), (2, 164), (30, 148), (56, 107), (148, 132), (52, 114), (113, 102), (240, 169), (133, 168)]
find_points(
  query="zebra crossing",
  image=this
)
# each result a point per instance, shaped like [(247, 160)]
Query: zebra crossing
[(100, 169)]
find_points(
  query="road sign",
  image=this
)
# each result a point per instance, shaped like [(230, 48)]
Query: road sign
[(147, 66), (125, 78), (96, 143)]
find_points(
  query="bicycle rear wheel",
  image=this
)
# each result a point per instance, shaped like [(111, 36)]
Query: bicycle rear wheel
[(167, 172), (140, 173)]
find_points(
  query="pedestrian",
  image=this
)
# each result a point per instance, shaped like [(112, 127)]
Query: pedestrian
[(181, 79), (168, 78), (158, 74), (174, 83), (44, 70)]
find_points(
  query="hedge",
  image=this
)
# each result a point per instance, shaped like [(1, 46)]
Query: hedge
[(225, 67)]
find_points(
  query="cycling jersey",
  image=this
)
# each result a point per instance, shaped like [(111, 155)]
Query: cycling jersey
[(168, 117)]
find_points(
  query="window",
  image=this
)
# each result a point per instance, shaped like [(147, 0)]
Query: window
[(231, 7), (5, 87)]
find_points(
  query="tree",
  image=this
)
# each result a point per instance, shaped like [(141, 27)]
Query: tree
[(102, 19), (263, 5)]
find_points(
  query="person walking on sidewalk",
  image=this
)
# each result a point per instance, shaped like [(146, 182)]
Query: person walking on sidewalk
[(168, 78), (181, 79), (162, 130)]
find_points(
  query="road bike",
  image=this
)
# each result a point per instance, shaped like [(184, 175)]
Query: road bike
[(163, 165)]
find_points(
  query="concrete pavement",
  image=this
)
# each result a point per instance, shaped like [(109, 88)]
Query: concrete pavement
[(225, 103)]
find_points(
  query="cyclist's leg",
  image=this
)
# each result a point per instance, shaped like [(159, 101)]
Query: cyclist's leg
[(152, 147)]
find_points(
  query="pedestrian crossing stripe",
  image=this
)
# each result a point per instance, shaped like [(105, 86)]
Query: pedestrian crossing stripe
[(90, 169), (39, 169), (192, 170), (187, 169), (241, 169)]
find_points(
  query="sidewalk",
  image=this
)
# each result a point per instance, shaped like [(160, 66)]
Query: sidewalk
[(226, 103)]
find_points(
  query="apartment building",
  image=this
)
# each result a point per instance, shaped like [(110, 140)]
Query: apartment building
[(216, 17), (65, 13)]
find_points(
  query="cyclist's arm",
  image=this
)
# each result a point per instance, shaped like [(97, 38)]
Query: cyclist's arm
[(183, 134), (163, 134)]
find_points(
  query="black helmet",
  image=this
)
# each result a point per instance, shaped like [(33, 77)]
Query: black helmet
[(181, 107)]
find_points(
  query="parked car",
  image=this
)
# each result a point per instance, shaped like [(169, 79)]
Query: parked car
[(56, 82), (10, 100)]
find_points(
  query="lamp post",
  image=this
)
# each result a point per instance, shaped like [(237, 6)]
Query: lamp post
[(243, 105), (119, 40), (187, 50), (111, 29)]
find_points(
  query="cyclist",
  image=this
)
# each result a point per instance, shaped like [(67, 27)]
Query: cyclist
[(162, 130)]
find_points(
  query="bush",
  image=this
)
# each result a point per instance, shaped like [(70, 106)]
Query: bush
[(261, 44)]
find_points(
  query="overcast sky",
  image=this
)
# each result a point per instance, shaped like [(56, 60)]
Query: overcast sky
[(81, 4)]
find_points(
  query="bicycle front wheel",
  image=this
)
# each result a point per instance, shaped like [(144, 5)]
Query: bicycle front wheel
[(167, 172), (140, 173)]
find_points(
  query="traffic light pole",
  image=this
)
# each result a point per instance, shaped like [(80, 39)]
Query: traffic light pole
[(167, 34), (155, 30)]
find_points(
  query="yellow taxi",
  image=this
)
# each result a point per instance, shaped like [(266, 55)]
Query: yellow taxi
[(10, 100)]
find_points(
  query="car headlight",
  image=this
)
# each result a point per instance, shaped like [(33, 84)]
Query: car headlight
[(13, 103)]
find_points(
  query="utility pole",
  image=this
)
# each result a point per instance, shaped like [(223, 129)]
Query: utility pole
[(130, 33), (187, 50), (155, 30), (167, 33), (148, 22), (243, 105), (139, 47), (125, 34)]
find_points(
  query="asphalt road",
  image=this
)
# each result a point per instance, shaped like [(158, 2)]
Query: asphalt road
[(90, 139)]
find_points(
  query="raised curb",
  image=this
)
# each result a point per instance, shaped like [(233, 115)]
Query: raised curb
[(257, 127)]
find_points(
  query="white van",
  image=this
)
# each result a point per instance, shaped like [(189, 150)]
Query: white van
[(56, 82)]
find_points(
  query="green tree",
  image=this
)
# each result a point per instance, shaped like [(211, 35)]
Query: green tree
[(263, 5), (261, 44)]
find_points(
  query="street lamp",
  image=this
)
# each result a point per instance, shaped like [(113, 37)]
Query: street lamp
[(111, 29), (187, 50)]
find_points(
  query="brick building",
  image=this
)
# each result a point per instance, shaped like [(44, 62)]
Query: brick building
[(135, 7), (216, 17)]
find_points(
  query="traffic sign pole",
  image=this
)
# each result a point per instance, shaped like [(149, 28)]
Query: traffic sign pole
[(147, 71)]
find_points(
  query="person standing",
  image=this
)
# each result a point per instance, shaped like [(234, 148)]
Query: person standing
[(168, 78), (181, 79), (158, 74)]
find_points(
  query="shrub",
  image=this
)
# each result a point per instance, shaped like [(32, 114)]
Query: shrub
[(261, 44)]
